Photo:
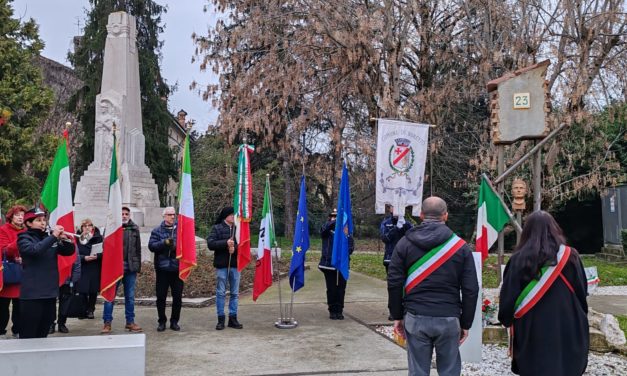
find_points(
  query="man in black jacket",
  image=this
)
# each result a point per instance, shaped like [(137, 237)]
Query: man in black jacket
[(433, 314), (163, 244), (221, 240)]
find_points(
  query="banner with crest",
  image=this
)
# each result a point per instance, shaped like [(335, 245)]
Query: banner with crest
[(401, 155)]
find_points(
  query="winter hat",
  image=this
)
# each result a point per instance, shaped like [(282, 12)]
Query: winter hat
[(225, 212), (33, 213)]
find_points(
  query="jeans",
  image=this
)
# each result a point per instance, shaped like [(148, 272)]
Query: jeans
[(128, 280), (233, 277), (426, 332), (169, 280)]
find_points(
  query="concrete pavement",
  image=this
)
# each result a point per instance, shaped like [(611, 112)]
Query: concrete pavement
[(318, 346)]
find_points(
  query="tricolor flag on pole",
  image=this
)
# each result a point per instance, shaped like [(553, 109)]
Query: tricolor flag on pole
[(263, 268), (243, 206), (185, 231), (112, 252), (491, 218), (56, 198)]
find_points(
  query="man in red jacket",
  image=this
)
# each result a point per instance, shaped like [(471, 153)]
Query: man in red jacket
[(8, 247)]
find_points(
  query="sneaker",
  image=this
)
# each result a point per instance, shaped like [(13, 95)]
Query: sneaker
[(63, 329), (106, 329), (134, 328)]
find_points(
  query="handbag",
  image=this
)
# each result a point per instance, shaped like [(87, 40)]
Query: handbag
[(11, 271), (73, 304)]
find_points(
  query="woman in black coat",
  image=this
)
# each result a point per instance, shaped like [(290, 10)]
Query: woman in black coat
[(89, 284), (552, 337), (40, 275)]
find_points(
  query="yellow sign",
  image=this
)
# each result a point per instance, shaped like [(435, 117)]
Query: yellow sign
[(521, 101)]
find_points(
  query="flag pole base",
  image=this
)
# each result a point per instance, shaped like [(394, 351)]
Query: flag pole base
[(286, 323)]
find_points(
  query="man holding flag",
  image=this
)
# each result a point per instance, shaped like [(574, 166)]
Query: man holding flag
[(337, 246), (221, 241)]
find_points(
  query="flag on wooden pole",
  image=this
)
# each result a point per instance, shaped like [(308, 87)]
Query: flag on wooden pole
[(112, 253), (263, 267), (186, 232), (56, 198), (243, 205)]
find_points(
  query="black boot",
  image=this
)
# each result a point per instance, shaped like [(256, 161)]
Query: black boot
[(233, 323), (220, 324)]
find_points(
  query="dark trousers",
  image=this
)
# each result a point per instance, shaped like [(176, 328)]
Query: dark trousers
[(91, 301), (4, 315), (63, 290), (37, 315), (336, 289), (172, 281)]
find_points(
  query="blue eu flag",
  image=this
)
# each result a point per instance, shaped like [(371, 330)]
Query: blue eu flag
[(301, 241), (343, 227)]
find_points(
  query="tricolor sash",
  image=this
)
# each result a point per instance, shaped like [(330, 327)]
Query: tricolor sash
[(536, 289), (431, 261)]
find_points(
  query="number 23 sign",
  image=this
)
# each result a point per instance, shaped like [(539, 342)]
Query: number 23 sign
[(521, 101)]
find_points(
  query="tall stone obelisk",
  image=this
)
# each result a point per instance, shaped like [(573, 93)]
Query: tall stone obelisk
[(119, 102)]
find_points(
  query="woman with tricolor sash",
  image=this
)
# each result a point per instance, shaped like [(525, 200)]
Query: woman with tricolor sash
[(543, 302)]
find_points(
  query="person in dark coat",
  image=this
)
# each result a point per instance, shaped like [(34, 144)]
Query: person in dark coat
[(10, 293), (163, 244), (552, 338), (132, 256), (439, 310), (89, 283), (40, 275), (335, 282), (391, 233), (221, 241)]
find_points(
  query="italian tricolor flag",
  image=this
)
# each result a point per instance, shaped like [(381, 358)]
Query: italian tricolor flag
[(56, 197), (263, 268), (112, 251), (185, 231), (243, 205), (491, 218)]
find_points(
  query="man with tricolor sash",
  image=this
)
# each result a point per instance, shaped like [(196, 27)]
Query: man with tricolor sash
[(433, 291)]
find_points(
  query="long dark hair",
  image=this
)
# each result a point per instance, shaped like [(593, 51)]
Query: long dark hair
[(539, 243)]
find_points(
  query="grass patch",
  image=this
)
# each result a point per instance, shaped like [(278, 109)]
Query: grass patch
[(610, 274), (622, 322), (369, 264)]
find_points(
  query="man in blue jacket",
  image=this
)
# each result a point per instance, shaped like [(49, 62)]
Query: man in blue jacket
[(163, 244), (391, 233)]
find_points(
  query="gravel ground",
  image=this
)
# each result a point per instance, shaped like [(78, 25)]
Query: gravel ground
[(495, 362)]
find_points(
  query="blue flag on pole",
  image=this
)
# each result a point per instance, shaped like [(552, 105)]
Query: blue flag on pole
[(301, 241), (343, 227)]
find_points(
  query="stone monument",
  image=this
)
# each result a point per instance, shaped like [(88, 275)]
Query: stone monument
[(119, 103)]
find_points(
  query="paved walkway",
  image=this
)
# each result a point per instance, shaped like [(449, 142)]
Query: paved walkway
[(318, 346)]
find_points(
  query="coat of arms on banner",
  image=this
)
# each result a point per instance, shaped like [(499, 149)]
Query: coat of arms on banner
[(401, 156)]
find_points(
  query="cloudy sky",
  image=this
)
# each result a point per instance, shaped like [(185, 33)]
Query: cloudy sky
[(60, 20)]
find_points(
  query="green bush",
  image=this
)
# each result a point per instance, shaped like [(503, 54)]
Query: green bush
[(623, 235)]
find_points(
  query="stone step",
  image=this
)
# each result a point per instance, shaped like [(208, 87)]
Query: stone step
[(612, 258), (618, 251)]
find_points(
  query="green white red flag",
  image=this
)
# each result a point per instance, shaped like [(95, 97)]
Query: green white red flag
[(491, 218), (263, 267), (56, 198), (185, 231), (112, 251), (243, 205)]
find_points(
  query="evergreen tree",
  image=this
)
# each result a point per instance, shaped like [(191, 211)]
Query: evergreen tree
[(88, 61), (25, 155)]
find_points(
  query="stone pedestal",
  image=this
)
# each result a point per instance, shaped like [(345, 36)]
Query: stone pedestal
[(119, 103)]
